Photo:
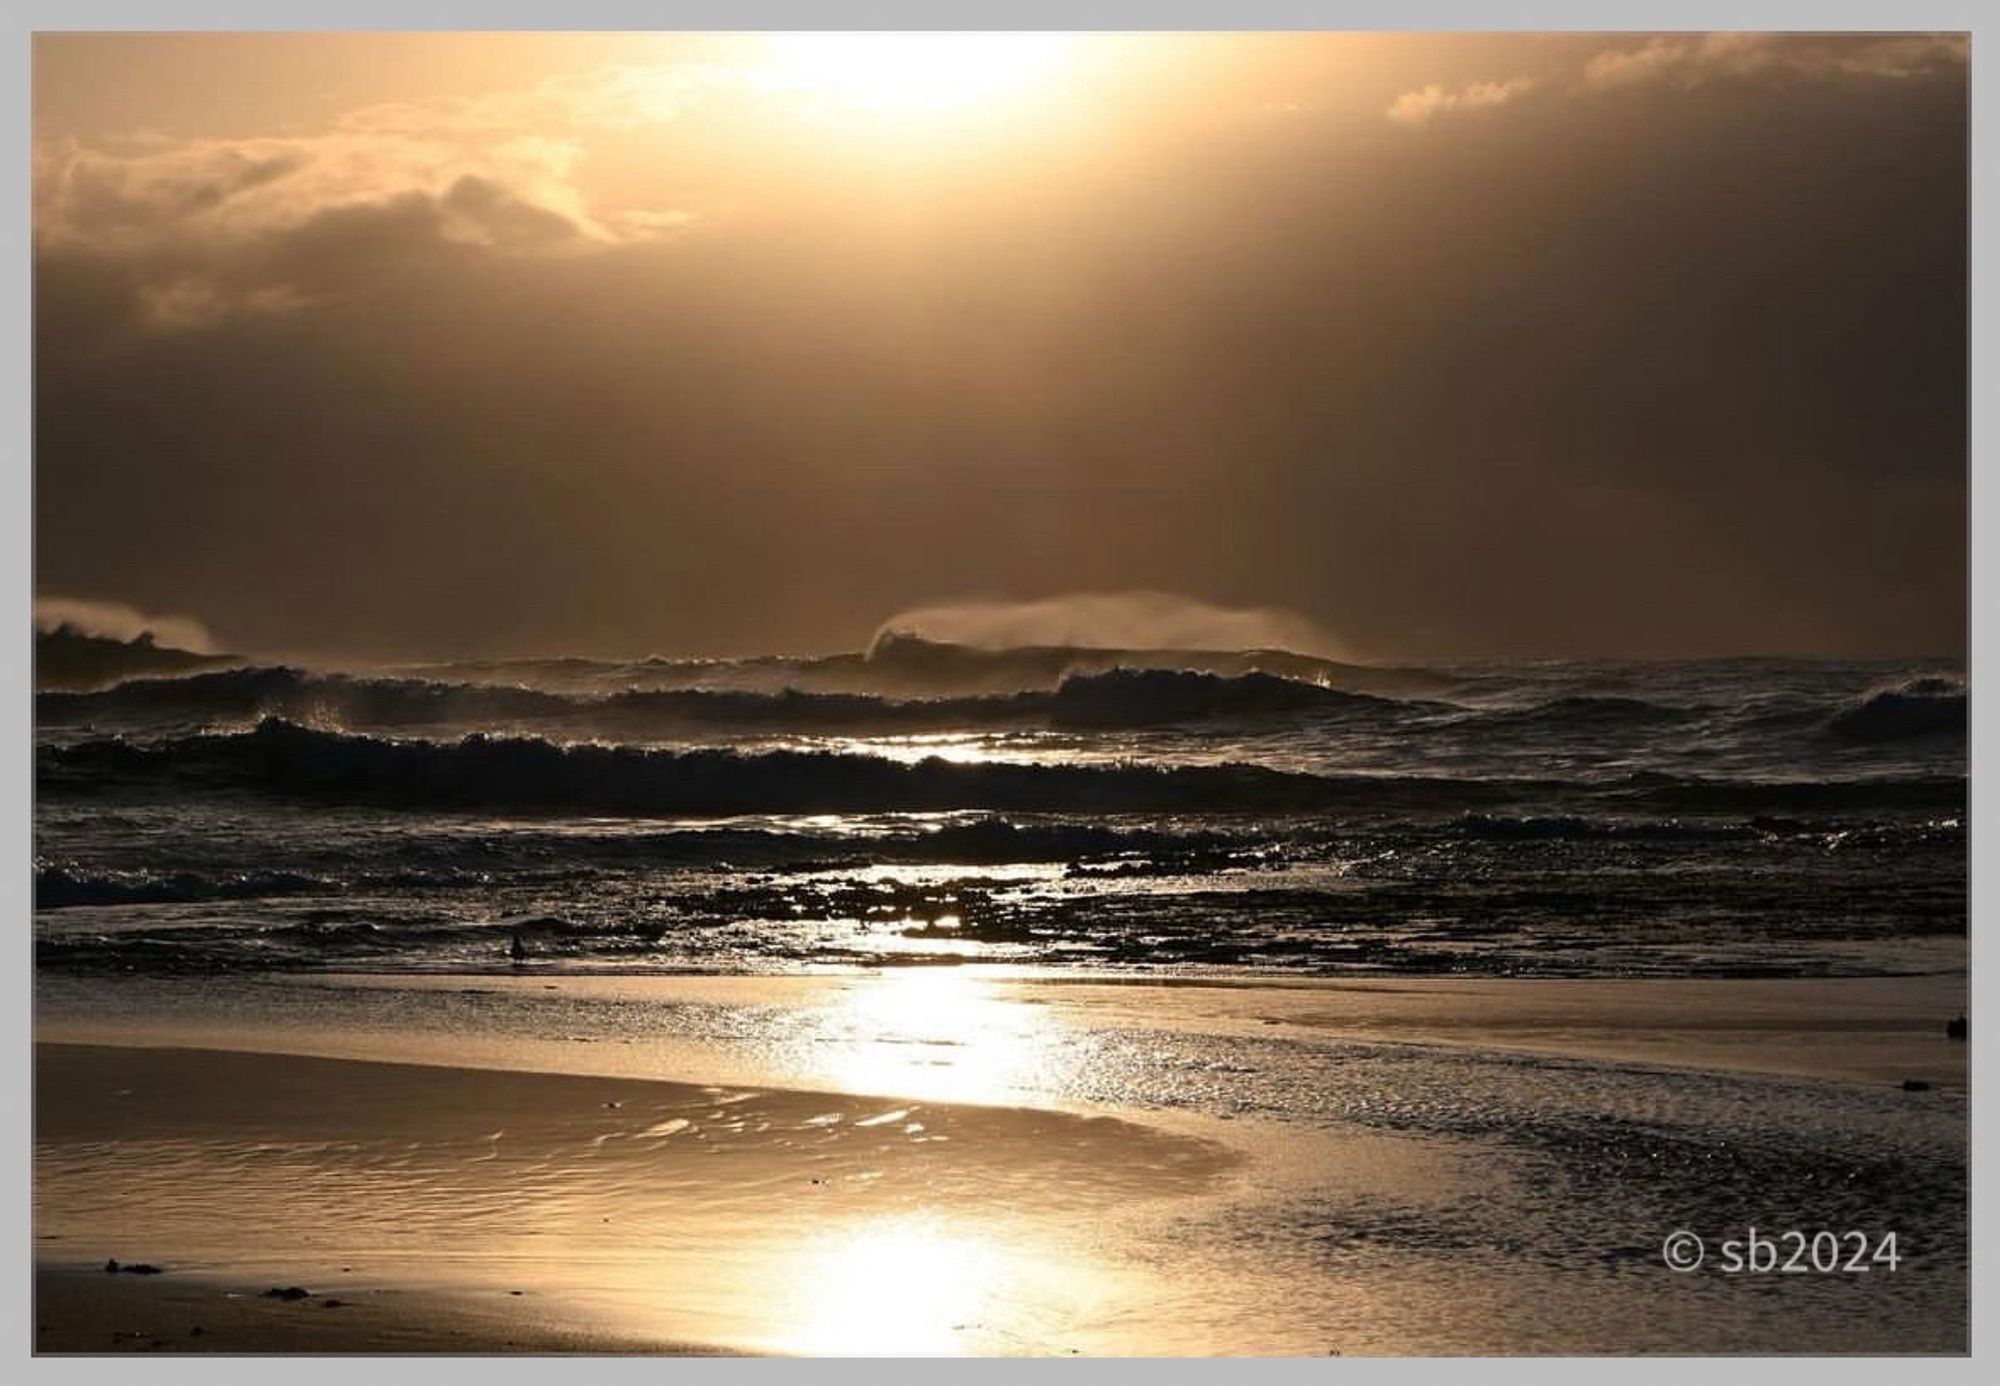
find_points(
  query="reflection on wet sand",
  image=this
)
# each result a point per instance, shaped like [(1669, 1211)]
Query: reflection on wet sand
[(1291, 1169), (779, 1220), (941, 1033)]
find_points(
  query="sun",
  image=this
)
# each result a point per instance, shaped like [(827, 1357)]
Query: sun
[(914, 74)]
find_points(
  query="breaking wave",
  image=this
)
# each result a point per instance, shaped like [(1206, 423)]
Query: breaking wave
[(530, 774), (1916, 707), (1115, 698)]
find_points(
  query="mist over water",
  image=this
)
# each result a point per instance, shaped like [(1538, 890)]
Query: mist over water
[(117, 621), (1114, 620)]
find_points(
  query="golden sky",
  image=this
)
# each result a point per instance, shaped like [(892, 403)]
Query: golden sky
[(455, 343)]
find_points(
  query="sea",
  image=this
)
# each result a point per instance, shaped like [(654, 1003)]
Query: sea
[(925, 804)]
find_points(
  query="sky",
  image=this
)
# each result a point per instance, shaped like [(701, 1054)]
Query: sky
[(1453, 346)]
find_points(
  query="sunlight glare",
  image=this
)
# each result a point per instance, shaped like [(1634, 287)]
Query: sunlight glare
[(895, 1286), (905, 74), (937, 1033)]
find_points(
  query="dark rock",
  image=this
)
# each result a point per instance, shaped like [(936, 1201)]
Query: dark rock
[(333, 1304), (142, 1268), (1955, 1028), (290, 1292), (1915, 1085), (195, 1332), (111, 1266)]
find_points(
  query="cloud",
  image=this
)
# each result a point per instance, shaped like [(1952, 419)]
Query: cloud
[(1426, 104), (131, 195), (1690, 60), (1686, 61), (622, 97), (215, 228)]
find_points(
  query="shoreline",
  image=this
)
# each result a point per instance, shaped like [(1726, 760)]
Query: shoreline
[(453, 1209), (939, 1163), (81, 1311), (1860, 1030)]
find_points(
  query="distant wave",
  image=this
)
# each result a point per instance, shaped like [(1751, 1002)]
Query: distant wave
[(1590, 713), (1144, 697), (1116, 698), (900, 665), (245, 694), (529, 774), (67, 656), (1916, 707), (906, 662), (58, 887)]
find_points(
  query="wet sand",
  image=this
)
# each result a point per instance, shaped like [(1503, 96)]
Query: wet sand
[(84, 1310), (488, 1210), (1847, 1029), (939, 1162)]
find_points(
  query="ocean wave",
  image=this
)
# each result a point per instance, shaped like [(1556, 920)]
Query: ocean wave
[(61, 887), (68, 657), (1927, 706), (1571, 827), (445, 860), (530, 774), (1112, 699), (899, 660), (1145, 697), (245, 694), (1592, 714)]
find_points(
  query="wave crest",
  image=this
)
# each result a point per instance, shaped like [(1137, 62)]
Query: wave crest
[(528, 774), (1926, 706)]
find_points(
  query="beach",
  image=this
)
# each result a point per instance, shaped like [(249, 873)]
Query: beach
[(947, 1160)]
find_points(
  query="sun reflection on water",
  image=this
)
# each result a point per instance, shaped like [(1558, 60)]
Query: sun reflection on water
[(899, 1285), (941, 1033), (960, 748)]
